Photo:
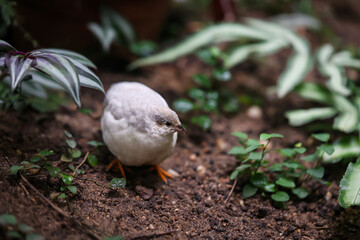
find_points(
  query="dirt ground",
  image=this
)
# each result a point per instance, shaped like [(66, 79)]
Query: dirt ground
[(192, 204)]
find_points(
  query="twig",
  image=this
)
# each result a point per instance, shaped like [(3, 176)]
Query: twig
[(155, 234), (231, 191), (24, 188), (8, 161), (86, 155), (93, 181), (59, 210)]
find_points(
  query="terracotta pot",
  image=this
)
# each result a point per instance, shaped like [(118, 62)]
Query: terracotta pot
[(63, 23)]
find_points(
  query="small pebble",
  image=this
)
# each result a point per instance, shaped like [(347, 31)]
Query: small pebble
[(145, 193), (193, 157), (255, 112), (201, 170), (173, 173)]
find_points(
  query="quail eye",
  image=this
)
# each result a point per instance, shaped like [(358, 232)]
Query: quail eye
[(168, 124)]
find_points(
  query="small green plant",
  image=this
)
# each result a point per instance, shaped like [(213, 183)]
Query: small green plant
[(72, 152), (115, 28), (278, 179), (15, 230), (92, 159), (33, 72), (209, 96)]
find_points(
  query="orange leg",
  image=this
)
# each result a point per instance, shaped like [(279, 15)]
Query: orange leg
[(162, 173), (116, 161)]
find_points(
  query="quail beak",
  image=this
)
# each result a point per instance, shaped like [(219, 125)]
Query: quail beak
[(180, 128)]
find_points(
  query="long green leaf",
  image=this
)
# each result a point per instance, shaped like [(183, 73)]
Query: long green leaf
[(213, 34), (314, 92), (19, 65), (296, 69), (5, 47), (337, 81), (349, 193), (122, 27), (62, 71), (344, 59), (105, 35), (303, 116), (44, 80), (348, 119), (70, 55), (345, 147), (239, 54)]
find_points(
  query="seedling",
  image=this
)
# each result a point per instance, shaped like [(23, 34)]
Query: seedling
[(209, 96), (92, 159), (72, 152), (15, 230), (278, 179), (114, 28)]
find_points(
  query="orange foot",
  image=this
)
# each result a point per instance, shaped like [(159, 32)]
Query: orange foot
[(116, 161), (162, 173)]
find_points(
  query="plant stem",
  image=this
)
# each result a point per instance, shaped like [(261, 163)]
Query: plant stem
[(262, 156)]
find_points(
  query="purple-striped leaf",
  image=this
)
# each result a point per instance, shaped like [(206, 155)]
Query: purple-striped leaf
[(5, 47)]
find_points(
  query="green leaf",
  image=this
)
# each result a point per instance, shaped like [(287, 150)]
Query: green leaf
[(300, 150), (285, 182), (238, 151), (310, 157), (7, 219), (276, 167), (87, 111), (196, 93), (213, 34), (5, 47), (252, 142), (316, 172), (46, 153), (183, 105), (287, 152), (222, 74), (96, 143), (143, 48), (258, 179), (266, 136), (240, 135), (72, 189), (280, 196), (33, 236), (118, 183), (327, 148), (67, 179), (75, 153), (105, 35), (62, 70), (293, 165), (71, 143), (349, 193), (113, 238), (269, 187), (69, 135), (15, 169), (348, 119), (202, 121), (62, 195), (234, 174), (300, 117), (66, 157), (210, 105), (255, 156), (314, 92), (35, 158), (248, 191), (13, 234), (54, 171), (345, 147), (323, 137), (18, 69), (300, 192), (25, 228), (251, 148), (202, 80), (92, 160)]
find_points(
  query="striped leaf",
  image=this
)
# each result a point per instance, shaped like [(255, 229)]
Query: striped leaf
[(224, 32), (5, 47), (105, 35), (18, 66), (300, 117), (349, 193), (345, 147)]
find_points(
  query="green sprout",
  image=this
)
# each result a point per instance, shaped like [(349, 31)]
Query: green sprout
[(15, 230), (277, 180), (209, 96)]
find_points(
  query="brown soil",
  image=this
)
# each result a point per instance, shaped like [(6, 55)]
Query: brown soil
[(190, 205)]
